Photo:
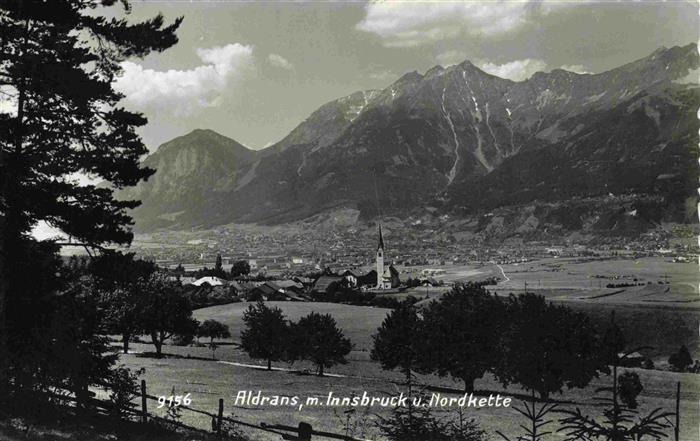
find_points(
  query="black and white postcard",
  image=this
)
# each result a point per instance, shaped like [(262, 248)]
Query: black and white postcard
[(349, 220)]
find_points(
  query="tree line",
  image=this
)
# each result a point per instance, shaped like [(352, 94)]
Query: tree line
[(467, 333), (137, 299), (519, 339), (238, 269)]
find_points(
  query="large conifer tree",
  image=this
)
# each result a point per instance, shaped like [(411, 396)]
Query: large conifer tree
[(60, 116)]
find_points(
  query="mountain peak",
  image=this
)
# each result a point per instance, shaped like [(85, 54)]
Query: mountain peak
[(212, 135), (435, 70), (409, 77), (205, 132), (202, 139)]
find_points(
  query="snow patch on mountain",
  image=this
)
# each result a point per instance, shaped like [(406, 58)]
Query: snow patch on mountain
[(453, 171), (248, 177), (354, 110), (495, 141), (476, 115)]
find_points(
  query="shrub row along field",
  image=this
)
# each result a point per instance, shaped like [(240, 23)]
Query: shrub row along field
[(663, 329)]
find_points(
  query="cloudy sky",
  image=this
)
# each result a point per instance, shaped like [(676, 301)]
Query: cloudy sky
[(253, 71)]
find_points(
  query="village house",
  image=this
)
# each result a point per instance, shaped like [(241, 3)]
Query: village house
[(210, 280)]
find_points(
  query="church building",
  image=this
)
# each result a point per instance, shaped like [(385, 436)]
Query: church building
[(387, 276)]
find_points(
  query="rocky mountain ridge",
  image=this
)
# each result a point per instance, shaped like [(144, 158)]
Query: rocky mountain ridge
[(457, 140)]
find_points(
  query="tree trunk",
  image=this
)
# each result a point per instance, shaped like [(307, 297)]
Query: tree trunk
[(616, 409), (4, 355), (12, 226), (4, 381), (410, 397), (320, 370), (158, 343), (125, 342), (468, 384), (544, 395), (269, 364), (82, 395)]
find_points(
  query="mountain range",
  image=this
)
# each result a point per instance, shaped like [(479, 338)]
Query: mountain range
[(454, 141)]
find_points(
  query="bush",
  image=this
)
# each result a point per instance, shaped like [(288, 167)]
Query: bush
[(681, 360), (124, 385), (182, 339), (647, 364), (628, 388), (392, 302), (213, 329), (417, 423)]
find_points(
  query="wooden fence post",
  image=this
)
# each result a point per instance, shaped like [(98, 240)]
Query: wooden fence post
[(677, 428), (305, 430), (144, 406), (220, 417)]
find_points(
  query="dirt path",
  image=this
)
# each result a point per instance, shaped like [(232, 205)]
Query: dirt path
[(504, 273)]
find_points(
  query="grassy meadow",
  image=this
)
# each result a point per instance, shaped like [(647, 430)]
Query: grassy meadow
[(649, 316)]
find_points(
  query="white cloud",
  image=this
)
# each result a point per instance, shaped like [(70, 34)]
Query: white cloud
[(450, 58), (406, 24), (517, 70), (693, 77), (575, 68), (44, 231), (279, 61), (182, 92), (8, 100), (8, 106), (382, 75)]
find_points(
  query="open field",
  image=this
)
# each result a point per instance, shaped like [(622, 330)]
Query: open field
[(209, 380), (567, 276), (448, 273), (358, 322), (660, 315)]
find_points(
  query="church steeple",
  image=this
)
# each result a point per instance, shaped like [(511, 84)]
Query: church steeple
[(380, 260)]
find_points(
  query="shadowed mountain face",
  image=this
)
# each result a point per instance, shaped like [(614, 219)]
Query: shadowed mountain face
[(191, 172), (457, 139)]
